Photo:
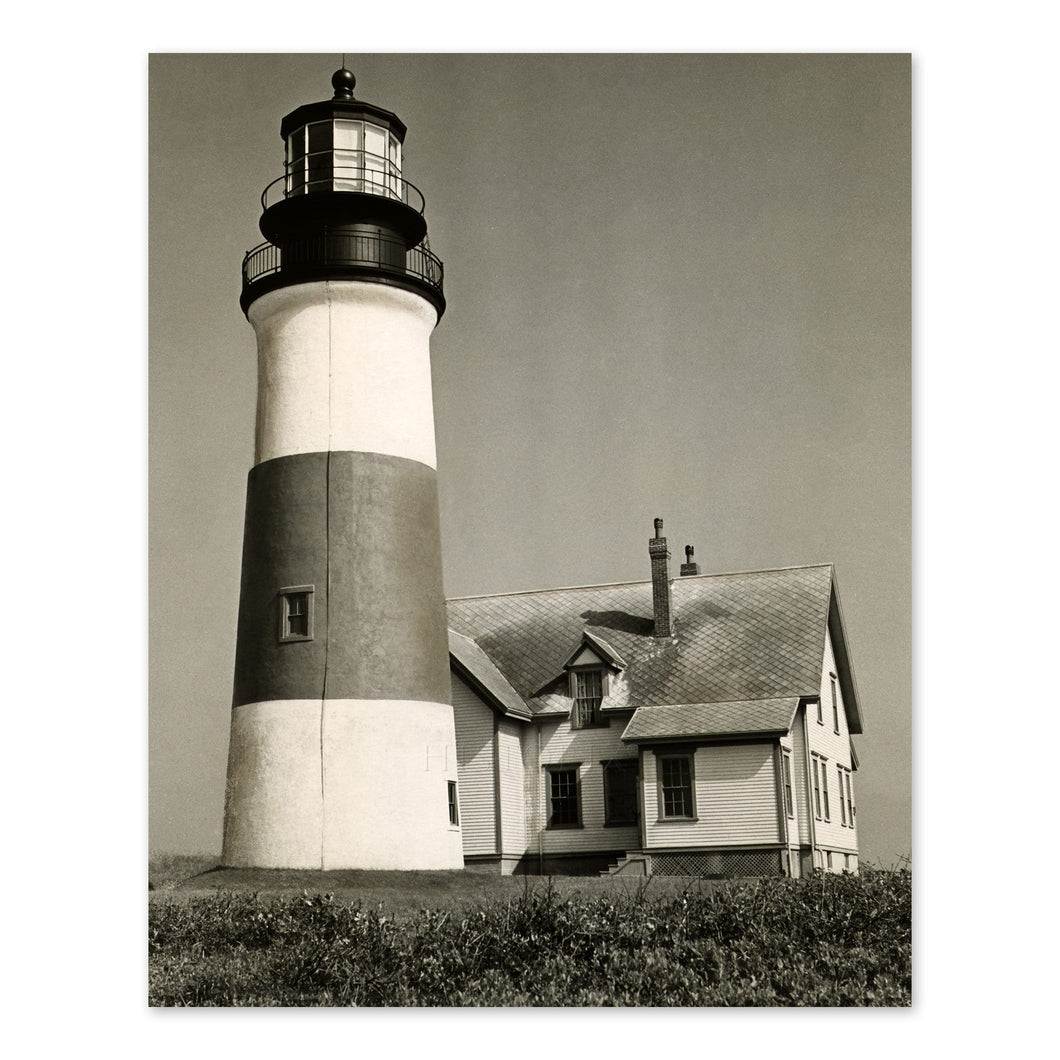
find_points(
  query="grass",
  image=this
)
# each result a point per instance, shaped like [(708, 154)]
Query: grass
[(456, 939)]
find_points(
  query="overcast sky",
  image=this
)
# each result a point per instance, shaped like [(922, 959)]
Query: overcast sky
[(678, 286)]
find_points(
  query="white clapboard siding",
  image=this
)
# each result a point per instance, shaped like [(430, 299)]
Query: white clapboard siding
[(834, 747), (590, 747), (475, 778), (735, 795), (512, 784)]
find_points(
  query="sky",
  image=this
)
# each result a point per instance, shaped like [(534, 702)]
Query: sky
[(677, 285)]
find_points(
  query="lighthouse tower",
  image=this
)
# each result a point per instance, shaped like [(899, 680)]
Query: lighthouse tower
[(342, 750)]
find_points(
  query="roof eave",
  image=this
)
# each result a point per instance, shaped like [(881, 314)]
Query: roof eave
[(467, 672), (740, 735)]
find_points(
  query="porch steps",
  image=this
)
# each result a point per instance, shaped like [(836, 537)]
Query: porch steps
[(633, 863)]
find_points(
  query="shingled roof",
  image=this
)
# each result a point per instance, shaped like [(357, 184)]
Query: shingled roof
[(756, 716), (757, 635)]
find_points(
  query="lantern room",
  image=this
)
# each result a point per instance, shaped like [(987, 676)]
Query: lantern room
[(343, 144), (342, 208)]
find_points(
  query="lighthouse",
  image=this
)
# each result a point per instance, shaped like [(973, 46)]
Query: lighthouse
[(342, 751)]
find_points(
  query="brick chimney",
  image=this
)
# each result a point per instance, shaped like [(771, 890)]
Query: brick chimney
[(689, 566), (660, 583)]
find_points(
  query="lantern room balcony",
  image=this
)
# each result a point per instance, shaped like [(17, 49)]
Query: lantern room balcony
[(342, 255)]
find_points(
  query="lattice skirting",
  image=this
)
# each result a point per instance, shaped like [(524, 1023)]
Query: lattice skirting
[(718, 863)]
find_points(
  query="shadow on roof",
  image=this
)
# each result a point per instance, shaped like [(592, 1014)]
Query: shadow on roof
[(620, 620)]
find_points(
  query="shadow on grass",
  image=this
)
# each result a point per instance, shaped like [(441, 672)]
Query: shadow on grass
[(404, 892)]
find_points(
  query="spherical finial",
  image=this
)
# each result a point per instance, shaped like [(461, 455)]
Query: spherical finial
[(343, 81)]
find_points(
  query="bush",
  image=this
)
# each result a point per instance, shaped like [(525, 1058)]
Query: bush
[(826, 940)]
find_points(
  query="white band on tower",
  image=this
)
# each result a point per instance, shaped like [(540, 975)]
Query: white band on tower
[(344, 367)]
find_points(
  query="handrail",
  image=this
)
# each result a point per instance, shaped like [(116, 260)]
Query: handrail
[(344, 250), (366, 177)]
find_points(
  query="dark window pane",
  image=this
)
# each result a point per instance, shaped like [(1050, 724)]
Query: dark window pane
[(320, 160), (620, 793)]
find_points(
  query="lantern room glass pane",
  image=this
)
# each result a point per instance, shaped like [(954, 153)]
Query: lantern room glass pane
[(320, 158), (296, 161), (394, 167), (349, 167), (374, 159), (347, 135)]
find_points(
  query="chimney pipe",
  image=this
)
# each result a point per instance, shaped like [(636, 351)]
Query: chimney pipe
[(661, 601), (689, 566)]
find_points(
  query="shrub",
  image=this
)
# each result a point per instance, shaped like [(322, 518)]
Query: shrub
[(826, 940)]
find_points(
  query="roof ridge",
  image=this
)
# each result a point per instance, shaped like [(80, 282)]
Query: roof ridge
[(640, 581)]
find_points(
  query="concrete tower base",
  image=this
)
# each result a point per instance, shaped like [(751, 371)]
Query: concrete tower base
[(341, 784)]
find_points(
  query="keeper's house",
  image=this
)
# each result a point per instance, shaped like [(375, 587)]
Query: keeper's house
[(699, 726)]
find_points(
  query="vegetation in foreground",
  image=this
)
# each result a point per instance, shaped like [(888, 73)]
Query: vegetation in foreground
[(827, 940)]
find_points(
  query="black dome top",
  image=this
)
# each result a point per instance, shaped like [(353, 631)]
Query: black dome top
[(343, 82)]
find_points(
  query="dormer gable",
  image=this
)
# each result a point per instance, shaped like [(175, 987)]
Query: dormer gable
[(594, 651)]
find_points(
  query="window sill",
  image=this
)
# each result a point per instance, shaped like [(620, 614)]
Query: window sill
[(563, 827), (677, 820)]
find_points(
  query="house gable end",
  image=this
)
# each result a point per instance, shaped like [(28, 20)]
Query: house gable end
[(844, 666)]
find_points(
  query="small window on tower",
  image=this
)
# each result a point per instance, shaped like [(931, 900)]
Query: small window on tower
[(296, 613)]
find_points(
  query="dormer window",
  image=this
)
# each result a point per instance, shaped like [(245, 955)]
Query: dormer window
[(588, 692), (588, 668)]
